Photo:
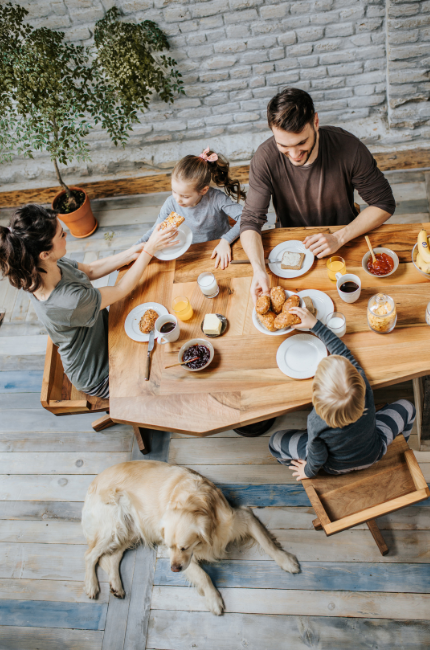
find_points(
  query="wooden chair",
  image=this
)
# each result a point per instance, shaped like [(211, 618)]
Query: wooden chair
[(60, 397), (346, 500)]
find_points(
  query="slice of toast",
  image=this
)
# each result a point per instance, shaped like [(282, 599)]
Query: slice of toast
[(174, 219), (292, 260)]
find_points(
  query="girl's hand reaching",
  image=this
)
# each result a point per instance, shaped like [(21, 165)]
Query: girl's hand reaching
[(222, 254), (161, 239), (308, 321)]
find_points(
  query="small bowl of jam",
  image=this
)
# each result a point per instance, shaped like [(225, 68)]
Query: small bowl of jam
[(200, 348), (386, 263)]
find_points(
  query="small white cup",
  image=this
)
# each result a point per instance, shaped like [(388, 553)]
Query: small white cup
[(348, 277), (168, 337)]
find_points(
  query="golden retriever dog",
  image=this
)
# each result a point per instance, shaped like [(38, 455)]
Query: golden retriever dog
[(157, 503)]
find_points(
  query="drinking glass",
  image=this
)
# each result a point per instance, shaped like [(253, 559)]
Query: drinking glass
[(208, 285), (336, 322), (335, 265), (181, 307)]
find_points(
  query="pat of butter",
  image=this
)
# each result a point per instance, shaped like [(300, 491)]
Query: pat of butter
[(212, 324)]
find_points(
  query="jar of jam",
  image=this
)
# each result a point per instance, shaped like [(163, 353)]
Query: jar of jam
[(381, 313)]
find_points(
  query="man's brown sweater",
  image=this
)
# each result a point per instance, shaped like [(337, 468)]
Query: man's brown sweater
[(320, 194)]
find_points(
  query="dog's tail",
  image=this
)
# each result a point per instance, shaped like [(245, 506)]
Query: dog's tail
[(110, 514)]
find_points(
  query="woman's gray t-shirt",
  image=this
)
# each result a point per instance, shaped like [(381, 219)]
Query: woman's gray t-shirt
[(75, 323)]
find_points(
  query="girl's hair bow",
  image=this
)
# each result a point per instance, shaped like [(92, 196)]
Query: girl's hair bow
[(204, 155)]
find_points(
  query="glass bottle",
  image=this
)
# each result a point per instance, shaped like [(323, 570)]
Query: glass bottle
[(381, 313)]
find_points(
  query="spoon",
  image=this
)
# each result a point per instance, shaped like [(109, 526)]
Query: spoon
[(370, 248), (184, 363)]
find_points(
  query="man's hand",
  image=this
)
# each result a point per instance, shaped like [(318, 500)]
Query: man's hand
[(308, 320), (222, 254), (260, 285), (323, 244), (299, 469)]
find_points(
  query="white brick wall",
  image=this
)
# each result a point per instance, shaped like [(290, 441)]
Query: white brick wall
[(366, 64)]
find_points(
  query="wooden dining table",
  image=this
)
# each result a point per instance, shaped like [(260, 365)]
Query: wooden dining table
[(243, 384)]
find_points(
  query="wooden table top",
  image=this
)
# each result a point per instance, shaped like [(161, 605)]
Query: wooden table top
[(243, 384)]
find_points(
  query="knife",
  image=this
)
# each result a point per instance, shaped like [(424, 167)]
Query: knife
[(150, 348), (248, 262)]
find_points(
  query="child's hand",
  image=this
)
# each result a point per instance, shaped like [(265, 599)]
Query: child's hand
[(299, 468), (222, 253), (308, 321), (161, 239)]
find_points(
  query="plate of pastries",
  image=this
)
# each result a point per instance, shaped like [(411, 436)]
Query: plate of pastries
[(141, 320), (184, 237), (271, 313)]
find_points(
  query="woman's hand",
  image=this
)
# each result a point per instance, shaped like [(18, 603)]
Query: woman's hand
[(161, 239), (308, 321), (222, 254), (299, 469)]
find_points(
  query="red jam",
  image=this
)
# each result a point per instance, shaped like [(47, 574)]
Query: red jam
[(383, 264)]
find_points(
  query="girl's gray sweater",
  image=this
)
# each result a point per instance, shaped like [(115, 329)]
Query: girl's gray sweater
[(356, 445), (207, 220)]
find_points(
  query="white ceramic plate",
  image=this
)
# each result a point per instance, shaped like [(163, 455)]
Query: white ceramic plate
[(132, 321), (264, 330), (298, 356), (294, 246), (322, 302), (185, 237)]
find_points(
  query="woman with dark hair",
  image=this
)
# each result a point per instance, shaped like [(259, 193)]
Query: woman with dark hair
[(74, 313)]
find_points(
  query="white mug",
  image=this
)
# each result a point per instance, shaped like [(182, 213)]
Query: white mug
[(348, 277), (168, 337)]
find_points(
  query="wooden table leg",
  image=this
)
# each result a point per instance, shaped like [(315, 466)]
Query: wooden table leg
[(102, 423), (425, 420), (317, 524), (377, 536), (143, 437)]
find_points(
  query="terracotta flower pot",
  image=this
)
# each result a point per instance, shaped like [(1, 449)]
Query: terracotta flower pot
[(81, 222)]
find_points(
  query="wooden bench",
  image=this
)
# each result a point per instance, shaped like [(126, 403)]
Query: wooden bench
[(346, 500), (60, 397)]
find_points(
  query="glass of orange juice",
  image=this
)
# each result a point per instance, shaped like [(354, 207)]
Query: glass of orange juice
[(335, 265), (181, 307)]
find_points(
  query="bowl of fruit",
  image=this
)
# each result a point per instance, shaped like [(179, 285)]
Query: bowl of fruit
[(421, 254)]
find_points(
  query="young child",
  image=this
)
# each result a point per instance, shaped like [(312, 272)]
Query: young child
[(204, 208), (344, 431)]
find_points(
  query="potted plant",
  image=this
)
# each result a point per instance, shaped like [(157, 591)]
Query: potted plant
[(52, 93)]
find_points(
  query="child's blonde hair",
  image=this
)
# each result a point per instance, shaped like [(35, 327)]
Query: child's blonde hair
[(338, 392), (201, 172)]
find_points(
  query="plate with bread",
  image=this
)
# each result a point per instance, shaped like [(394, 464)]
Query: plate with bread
[(271, 313), (290, 259), (141, 320), (185, 237)]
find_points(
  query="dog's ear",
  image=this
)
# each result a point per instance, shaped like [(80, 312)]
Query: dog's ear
[(205, 529)]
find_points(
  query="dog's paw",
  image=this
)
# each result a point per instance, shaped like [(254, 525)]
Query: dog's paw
[(289, 563), (92, 588), (215, 602), (118, 593)]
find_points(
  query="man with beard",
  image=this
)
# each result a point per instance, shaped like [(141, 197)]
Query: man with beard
[(310, 172)]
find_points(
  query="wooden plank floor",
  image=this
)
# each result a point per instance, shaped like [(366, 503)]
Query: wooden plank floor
[(346, 595)]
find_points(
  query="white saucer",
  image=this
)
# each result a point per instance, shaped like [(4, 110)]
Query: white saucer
[(322, 302), (132, 321), (185, 237), (295, 246), (264, 330), (298, 356)]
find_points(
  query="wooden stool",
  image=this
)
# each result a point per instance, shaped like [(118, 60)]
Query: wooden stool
[(60, 397), (345, 500)]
